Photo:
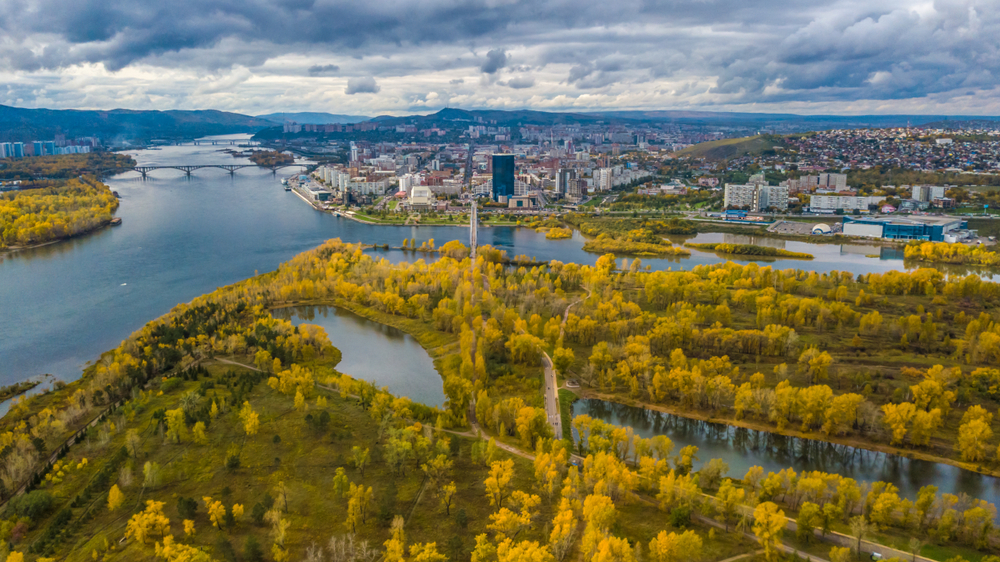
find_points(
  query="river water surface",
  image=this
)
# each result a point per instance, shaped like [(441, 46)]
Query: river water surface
[(742, 448)]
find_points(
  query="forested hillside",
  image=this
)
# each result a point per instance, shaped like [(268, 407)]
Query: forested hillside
[(23, 124)]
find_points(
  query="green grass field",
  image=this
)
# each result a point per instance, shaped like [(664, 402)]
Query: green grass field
[(730, 148)]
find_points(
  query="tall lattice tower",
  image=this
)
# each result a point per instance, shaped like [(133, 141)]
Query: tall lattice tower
[(474, 231)]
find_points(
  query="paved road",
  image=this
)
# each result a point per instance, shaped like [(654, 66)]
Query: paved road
[(552, 397), (552, 384)]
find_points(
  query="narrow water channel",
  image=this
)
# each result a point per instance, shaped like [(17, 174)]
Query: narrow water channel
[(375, 352), (742, 448)]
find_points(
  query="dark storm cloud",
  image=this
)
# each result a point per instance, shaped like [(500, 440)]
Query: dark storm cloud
[(762, 51), (495, 60), (318, 69)]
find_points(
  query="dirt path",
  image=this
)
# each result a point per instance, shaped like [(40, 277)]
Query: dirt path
[(741, 556)]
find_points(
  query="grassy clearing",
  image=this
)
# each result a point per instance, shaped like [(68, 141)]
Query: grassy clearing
[(288, 448), (731, 148)]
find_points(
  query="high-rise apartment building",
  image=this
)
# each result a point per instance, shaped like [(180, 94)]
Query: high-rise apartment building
[(833, 182), (563, 179), (738, 196), (928, 192), (755, 197), (772, 197), (503, 176)]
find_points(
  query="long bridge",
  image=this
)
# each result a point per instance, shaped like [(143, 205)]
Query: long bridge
[(244, 143), (231, 168)]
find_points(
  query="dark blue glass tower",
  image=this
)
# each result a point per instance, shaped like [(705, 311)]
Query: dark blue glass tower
[(503, 176)]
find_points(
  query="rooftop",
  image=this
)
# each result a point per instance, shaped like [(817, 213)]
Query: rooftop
[(941, 221)]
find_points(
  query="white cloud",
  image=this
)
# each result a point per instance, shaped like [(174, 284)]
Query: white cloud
[(845, 55)]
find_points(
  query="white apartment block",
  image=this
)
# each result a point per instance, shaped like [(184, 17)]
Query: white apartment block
[(739, 196), (339, 179), (834, 202), (772, 197), (928, 192), (755, 197)]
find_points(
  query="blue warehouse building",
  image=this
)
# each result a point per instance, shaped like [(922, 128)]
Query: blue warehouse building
[(934, 229)]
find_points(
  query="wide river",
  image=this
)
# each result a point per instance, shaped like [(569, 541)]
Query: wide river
[(64, 304)]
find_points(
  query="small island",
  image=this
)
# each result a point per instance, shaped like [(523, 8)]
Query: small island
[(559, 234), (606, 244), (271, 158), (749, 250), (43, 212)]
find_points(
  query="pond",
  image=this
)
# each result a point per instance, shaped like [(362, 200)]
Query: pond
[(742, 448), (375, 352)]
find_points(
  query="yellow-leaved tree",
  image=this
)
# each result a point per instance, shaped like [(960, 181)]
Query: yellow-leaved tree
[(115, 498), (249, 419), (768, 523)]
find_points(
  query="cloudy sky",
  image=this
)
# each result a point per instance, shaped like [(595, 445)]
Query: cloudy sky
[(372, 57)]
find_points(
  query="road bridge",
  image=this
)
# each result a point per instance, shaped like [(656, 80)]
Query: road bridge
[(188, 169)]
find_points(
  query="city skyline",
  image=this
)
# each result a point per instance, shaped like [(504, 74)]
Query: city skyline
[(843, 57)]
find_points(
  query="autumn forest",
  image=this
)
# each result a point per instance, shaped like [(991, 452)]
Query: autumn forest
[(219, 431)]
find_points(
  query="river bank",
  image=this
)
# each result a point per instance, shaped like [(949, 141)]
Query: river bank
[(89, 231), (14, 390)]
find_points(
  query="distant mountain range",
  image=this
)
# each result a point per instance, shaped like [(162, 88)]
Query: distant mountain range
[(117, 125), (313, 118), (762, 120), (451, 116), (808, 121)]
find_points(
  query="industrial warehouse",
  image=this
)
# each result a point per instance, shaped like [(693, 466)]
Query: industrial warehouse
[(934, 229)]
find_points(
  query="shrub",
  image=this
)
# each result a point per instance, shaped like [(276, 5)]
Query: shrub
[(232, 461), (187, 507), (170, 384), (33, 504), (257, 513), (680, 517), (252, 551), (224, 549)]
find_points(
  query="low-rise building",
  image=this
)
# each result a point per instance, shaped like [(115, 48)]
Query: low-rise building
[(421, 197), (522, 202), (934, 229), (841, 203)]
